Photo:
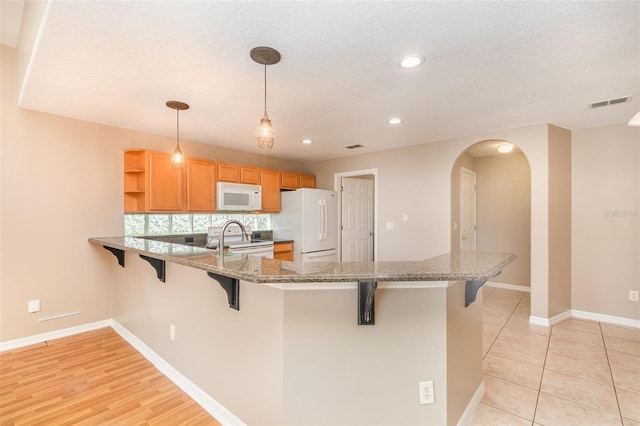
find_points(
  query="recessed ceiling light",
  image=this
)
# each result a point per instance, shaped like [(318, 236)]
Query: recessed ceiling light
[(505, 148), (395, 120), (307, 141), (411, 61)]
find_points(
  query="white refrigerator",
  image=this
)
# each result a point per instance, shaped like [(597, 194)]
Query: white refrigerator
[(309, 217)]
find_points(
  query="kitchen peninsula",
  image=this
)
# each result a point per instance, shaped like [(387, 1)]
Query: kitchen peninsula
[(293, 352)]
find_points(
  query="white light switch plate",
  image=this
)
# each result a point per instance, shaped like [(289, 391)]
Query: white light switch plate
[(389, 226), (33, 306)]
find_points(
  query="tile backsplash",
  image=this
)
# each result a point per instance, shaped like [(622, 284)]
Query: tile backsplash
[(164, 224)]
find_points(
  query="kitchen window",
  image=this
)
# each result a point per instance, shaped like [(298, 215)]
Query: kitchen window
[(165, 224)]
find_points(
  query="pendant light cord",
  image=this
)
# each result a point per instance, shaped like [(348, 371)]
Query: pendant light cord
[(178, 128), (265, 87)]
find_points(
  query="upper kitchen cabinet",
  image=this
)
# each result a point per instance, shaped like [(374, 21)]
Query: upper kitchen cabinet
[(201, 185), (228, 172), (250, 175), (135, 181), (307, 181), (165, 187), (236, 173), (296, 180), (150, 183), (270, 181)]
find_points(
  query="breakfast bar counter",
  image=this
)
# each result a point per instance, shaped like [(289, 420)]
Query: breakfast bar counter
[(459, 266), (308, 343)]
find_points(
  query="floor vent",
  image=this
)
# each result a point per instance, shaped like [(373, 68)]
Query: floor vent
[(354, 146), (608, 102)]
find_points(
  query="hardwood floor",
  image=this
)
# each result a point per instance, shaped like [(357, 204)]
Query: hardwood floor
[(93, 378)]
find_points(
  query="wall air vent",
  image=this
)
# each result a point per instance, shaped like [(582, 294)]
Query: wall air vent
[(608, 102), (353, 146)]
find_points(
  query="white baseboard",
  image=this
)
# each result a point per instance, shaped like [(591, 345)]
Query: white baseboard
[(213, 407), (508, 286), (548, 322), (50, 335), (592, 316), (472, 406), (609, 319)]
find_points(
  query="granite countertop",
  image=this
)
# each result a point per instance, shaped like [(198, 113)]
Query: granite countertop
[(458, 266)]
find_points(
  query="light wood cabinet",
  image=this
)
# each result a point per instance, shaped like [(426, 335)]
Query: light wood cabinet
[(201, 185), (283, 251), (135, 181), (307, 181), (165, 184), (290, 180), (270, 181), (152, 185), (250, 175), (236, 173), (296, 180), (228, 172)]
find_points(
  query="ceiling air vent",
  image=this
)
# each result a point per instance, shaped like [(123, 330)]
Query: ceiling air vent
[(354, 146), (608, 102)]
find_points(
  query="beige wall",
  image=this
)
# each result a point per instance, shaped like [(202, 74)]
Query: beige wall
[(234, 356), (417, 181), (504, 212), (559, 221), (606, 220), (464, 350), (410, 328), (62, 183)]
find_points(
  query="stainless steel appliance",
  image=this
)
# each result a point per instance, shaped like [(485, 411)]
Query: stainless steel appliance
[(309, 217), (234, 241)]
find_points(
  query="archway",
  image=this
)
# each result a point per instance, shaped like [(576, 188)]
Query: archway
[(503, 206)]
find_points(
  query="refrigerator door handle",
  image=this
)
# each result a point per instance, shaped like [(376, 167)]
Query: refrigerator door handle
[(324, 231), (321, 220)]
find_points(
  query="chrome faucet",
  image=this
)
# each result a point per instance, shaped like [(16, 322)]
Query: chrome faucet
[(224, 228)]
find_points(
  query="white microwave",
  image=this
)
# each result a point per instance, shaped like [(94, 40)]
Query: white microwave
[(238, 197)]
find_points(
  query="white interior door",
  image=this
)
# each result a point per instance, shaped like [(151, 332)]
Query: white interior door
[(468, 215), (357, 219)]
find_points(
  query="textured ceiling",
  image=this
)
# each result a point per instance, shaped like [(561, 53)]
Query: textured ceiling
[(489, 66)]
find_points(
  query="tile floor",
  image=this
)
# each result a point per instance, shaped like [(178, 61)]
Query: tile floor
[(577, 372)]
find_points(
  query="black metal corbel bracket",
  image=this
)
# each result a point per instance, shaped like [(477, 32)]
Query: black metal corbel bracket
[(231, 286), (366, 302), (119, 254), (471, 289), (158, 265)]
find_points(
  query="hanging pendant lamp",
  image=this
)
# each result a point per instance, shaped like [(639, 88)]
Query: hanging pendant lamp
[(177, 158), (265, 56)]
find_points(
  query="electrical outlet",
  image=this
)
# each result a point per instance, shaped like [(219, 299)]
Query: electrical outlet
[(172, 332), (389, 226), (633, 295), (426, 392)]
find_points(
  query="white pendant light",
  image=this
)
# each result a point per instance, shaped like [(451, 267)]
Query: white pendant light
[(177, 158), (635, 120), (265, 56)]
